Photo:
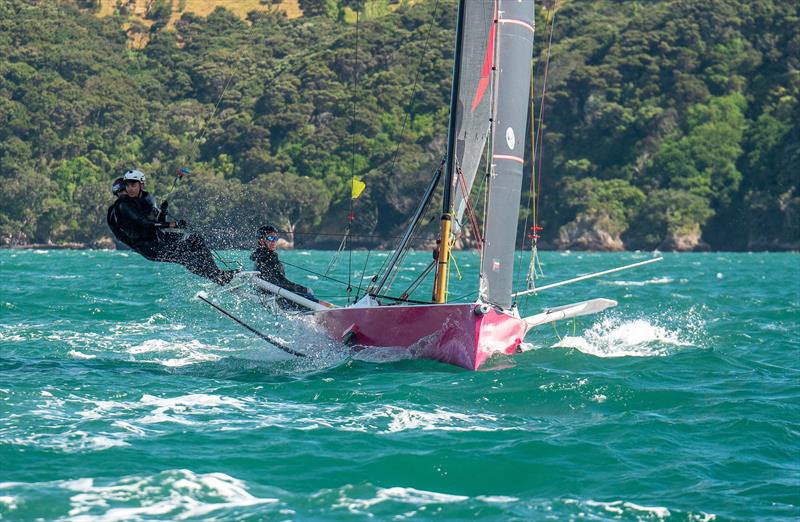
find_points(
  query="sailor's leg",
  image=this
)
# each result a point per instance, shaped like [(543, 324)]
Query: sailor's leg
[(150, 250), (193, 253)]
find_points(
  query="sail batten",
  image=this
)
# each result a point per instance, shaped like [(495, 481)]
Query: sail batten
[(514, 50)]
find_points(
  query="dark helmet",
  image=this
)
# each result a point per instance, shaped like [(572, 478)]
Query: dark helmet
[(117, 186), (265, 231)]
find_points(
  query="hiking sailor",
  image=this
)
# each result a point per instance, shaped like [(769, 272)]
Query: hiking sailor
[(138, 218), (270, 267), (118, 189)]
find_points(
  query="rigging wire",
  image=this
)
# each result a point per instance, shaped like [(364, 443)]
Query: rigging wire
[(409, 105), (233, 66), (537, 133), (540, 131), (304, 269), (361, 277), (410, 234), (416, 282), (408, 111), (351, 217)]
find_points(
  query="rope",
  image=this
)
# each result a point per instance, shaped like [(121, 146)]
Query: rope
[(415, 284), (304, 269), (462, 184), (412, 235), (335, 259), (407, 113), (351, 217), (537, 136), (239, 56), (541, 108), (361, 278)]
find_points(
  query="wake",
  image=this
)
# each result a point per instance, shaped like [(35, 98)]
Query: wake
[(614, 337)]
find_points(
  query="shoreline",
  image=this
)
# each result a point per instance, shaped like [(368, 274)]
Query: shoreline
[(86, 246)]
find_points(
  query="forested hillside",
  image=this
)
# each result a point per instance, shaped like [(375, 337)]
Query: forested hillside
[(668, 124)]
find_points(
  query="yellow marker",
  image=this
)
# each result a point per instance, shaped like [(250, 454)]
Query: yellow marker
[(358, 188)]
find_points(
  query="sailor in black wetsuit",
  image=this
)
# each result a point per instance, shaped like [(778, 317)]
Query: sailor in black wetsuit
[(270, 267), (152, 236), (118, 189)]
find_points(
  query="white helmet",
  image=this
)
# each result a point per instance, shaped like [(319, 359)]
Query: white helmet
[(134, 175)]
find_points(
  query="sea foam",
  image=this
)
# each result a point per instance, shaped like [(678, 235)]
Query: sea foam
[(613, 337)]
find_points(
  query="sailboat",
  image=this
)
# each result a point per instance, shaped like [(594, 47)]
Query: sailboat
[(488, 108), (489, 103)]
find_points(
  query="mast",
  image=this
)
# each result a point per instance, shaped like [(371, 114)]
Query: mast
[(440, 283)]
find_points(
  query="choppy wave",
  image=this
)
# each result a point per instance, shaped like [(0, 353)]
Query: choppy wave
[(161, 409), (176, 354), (75, 354), (652, 281), (401, 495), (178, 494)]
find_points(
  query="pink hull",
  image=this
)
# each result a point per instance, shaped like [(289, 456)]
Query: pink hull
[(451, 333)]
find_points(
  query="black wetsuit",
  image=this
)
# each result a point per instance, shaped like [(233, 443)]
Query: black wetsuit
[(112, 218), (137, 218), (271, 270)]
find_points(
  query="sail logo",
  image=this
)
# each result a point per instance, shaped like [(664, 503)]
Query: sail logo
[(511, 140), (495, 265)]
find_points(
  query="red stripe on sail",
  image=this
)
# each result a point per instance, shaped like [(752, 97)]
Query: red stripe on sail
[(526, 25), (488, 59), (507, 157)]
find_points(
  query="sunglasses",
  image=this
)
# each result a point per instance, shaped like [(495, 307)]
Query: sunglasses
[(271, 238)]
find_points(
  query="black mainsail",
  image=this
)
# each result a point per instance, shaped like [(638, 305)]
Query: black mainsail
[(514, 50)]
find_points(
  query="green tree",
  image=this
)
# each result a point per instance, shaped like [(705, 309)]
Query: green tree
[(286, 200), (669, 219)]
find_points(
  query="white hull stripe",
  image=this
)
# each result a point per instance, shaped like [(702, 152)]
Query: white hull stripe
[(517, 22), (510, 158)]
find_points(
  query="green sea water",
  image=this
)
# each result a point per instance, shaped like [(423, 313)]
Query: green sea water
[(122, 398)]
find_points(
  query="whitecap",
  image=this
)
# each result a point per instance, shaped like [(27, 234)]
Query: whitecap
[(619, 507), (9, 502), (72, 442), (75, 354), (396, 419), (178, 409), (653, 281), (182, 402), (130, 427), (412, 496), (182, 353), (186, 361), (496, 499), (179, 494)]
